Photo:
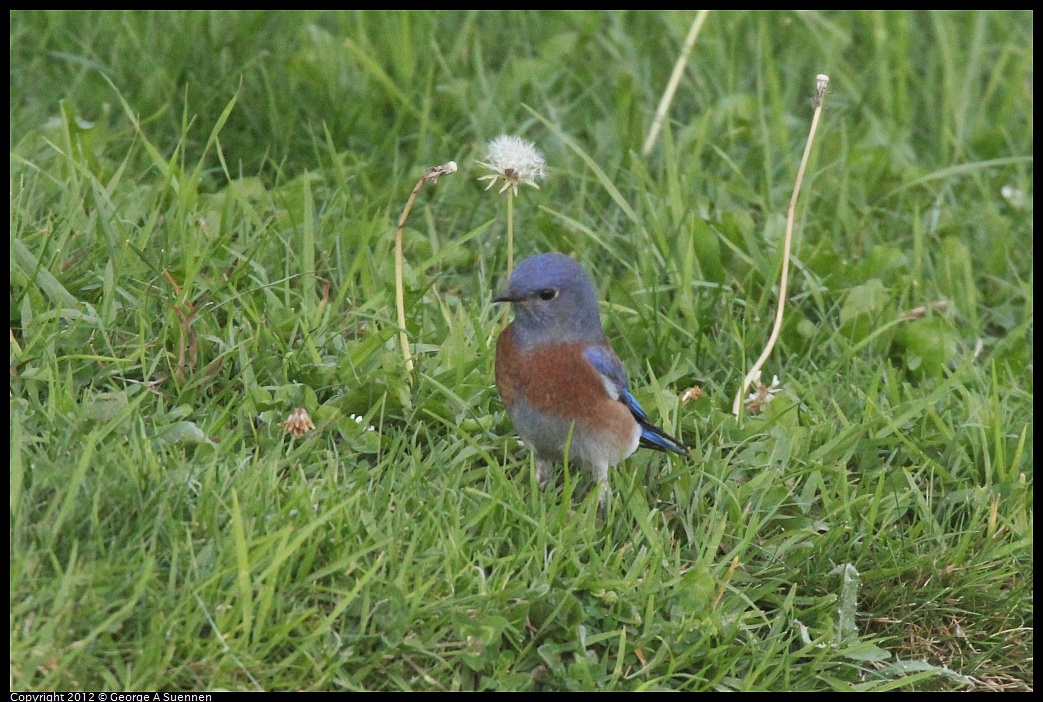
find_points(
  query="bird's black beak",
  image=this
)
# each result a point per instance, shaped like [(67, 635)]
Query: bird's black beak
[(505, 297)]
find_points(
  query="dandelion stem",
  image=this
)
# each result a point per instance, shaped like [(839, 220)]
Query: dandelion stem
[(822, 81), (675, 79), (510, 231)]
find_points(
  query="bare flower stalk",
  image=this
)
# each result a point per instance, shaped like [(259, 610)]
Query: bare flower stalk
[(822, 81), (432, 174), (675, 80)]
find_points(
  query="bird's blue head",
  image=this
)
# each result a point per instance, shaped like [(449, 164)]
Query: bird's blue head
[(554, 301)]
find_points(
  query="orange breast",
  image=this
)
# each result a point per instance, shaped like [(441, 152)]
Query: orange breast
[(560, 381)]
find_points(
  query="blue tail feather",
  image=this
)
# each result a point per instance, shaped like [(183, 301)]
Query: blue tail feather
[(655, 438)]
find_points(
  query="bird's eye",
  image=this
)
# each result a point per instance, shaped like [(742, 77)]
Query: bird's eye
[(547, 294)]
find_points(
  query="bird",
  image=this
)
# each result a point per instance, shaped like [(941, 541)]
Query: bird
[(559, 378)]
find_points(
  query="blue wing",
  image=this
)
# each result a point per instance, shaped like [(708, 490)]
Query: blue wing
[(614, 376)]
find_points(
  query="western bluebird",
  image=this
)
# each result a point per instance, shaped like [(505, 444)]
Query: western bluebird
[(556, 372)]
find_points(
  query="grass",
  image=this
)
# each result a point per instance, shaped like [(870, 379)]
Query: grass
[(203, 208)]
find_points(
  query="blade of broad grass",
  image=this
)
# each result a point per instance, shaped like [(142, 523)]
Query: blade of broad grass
[(33, 268), (957, 170), (213, 141), (243, 581), (371, 67), (17, 475)]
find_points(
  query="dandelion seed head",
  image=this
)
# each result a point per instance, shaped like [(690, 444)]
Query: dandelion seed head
[(821, 81), (513, 162), (435, 172)]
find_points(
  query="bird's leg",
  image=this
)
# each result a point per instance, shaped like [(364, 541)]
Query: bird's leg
[(604, 491), (543, 467)]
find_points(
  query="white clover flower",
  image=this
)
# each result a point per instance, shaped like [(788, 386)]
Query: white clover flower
[(359, 420), (513, 161), (763, 394), (1014, 196)]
